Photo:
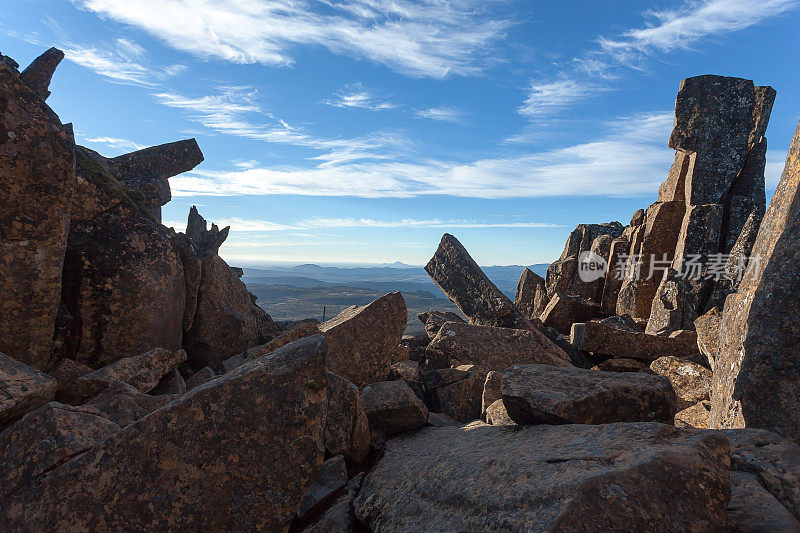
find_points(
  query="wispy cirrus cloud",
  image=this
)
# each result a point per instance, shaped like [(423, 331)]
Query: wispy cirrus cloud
[(423, 38), (443, 113), (356, 96), (664, 32)]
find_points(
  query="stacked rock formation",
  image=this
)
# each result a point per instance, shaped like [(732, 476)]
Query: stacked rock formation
[(149, 392)]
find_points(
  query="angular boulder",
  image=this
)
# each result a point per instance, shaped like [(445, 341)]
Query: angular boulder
[(497, 414), (543, 394), (454, 393), (692, 382), (562, 311), (434, 320), (331, 477), (22, 389), (236, 453), (615, 477), (124, 405), (603, 339), (707, 328), (531, 297), (466, 285), (753, 509), (392, 408), (346, 424), (362, 340)]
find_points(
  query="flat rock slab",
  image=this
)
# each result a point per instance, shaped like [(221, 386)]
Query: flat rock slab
[(493, 348), (543, 394), (602, 339), (362, 341), (467, 286), (142, 372), (237, 453), (22, 389), (615, 477)]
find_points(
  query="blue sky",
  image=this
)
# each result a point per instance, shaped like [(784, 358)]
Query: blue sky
[(360, 131)]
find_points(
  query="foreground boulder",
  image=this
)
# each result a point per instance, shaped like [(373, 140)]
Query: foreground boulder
[(22, 389), (757, 376), (46, 438), (392, 408), (616, 477), (604, 339), (543, 394), (493, 348), (363, 340), (466, 285), (237, 453), (752, 508)]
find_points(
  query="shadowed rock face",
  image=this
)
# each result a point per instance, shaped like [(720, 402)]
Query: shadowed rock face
[(603, 339), (363, 340), (124, 286), (548, 478), (757, 374), (543, 394), (37, 162), (531, 297), (346, 424), (204, 239), (22, 389), (465, 284), (39, 73), (236, 453)]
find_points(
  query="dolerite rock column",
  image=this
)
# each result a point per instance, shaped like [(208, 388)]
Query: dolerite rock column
[(757, 371), (37, 176)]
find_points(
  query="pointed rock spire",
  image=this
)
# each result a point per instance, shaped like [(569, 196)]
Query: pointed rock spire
[(39, 73)]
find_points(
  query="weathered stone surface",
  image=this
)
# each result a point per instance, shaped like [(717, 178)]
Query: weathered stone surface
[(463, 281), (440, 420), (531, 297), (455, 393), (346, 425), (142, 372), (22, 389), (204, 375), (612, 342), (497, 415), (491, 348), (407, 370), (752, 509), (392, 408), (67, 373), (491, 391), (236, 453), (46, 438), (616, 477), (691, 381), (362, 340), (204, 239), (39, 73), (331, 477), (757, 374), (620, 248), (124, 284), (434, 320), (171, 384), (622, 364), (338, 517), (774, 460), (674, 187), (37, 162), (226, 322), (543, 394), (577, 357), (97, 188), (192, 276), (707, 328), (562, 311), (696, 416), (303, 330), (124, 405)]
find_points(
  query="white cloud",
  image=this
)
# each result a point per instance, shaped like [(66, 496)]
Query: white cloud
[(553, 96), (116, 143), (355, 96), (122, 61), (592, 168), (445, 114), (416, 37)]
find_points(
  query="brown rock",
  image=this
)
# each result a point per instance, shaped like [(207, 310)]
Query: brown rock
[(465, 284), (46, 438), (616, 477), (692, 382), (226, 322), (392, 408), (434, 320), (37, 162), (171, 384), (331, 477), (531, 297), (491, 348), (497, 415), (707, 328), (407, 370), (346, 425), (39, 73), (192, 275), (756, 378), (22, 389), (362, 340), (338, 517), (612, 342), (236, 453), (543, 394), (300, 332), (204, 239), (67, 373), (620, 247), (491, 391), (204, 375), (142, 372), (562, 311), (440, 420), (752, 509), (124, 283), (622, 364), (696, 416), (124, 405), (455, 393)]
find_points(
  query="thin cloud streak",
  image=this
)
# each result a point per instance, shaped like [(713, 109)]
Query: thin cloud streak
[(355, 96)]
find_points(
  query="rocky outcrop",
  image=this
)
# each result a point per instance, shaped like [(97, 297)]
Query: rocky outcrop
[(531, 297), (40, 72), (362, 340), (249, 446), (604, 340), (124, 405), (22, 389), (757, 378), (37, 162), (466, 285), (204, 239), (543, 394), (434, 320), (562, 311), (46, 438), (454, 392), (346, 424), (609, 477), (691, 381), (491, 348), (752, 508), (392, 408)]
